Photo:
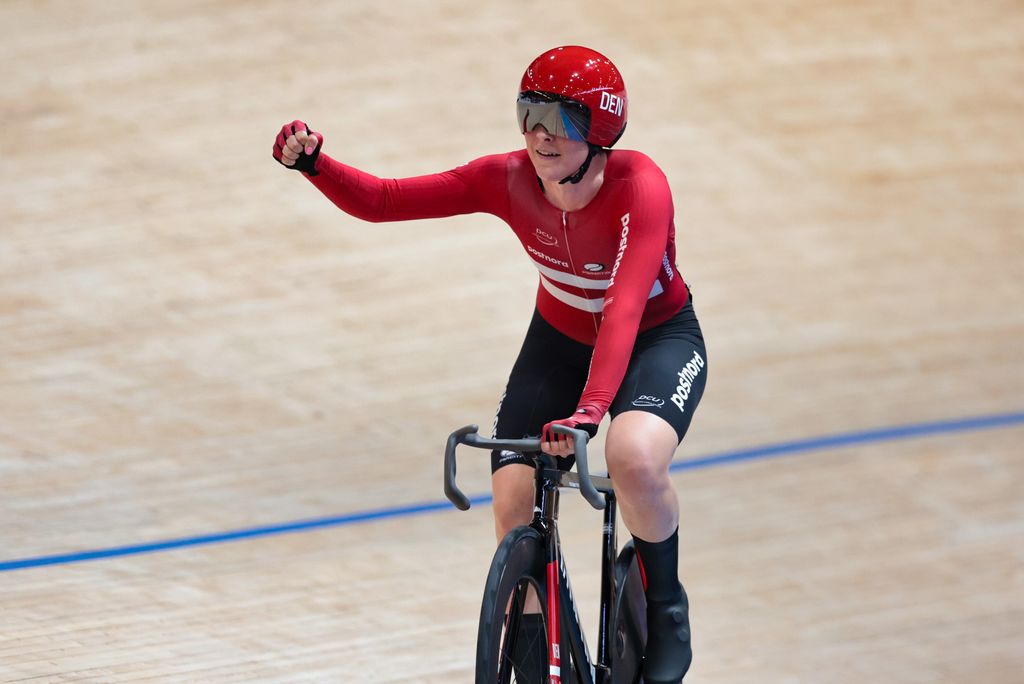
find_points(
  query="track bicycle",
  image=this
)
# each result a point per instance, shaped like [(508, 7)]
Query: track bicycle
[(530, 630)]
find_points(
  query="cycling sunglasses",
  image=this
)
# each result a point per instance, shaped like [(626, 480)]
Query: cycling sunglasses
[(562, 118)]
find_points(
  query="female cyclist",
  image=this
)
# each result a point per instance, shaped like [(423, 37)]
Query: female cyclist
[(614, 329)]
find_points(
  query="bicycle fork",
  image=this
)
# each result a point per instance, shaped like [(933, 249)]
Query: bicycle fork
[(554, 624), (609, 589)]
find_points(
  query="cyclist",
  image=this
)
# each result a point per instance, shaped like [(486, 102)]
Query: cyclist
[(614, 330)]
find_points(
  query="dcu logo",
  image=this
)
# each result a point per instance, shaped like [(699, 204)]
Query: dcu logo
[(545, 238), (645, 400), (593, 268)]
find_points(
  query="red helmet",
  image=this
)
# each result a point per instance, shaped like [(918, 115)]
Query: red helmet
[(586, 77)]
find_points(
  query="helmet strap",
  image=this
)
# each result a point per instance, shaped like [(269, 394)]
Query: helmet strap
[(582, 171)]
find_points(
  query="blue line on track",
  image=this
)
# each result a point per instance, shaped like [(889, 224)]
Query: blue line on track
[(769, 451)]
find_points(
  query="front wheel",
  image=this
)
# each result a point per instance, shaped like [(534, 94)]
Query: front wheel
[(512, 641), (629, 633)]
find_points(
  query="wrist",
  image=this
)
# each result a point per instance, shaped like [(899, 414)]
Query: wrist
[(318, 163), (313, 170)]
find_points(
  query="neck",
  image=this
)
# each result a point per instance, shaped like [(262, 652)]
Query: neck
[(575, 196)]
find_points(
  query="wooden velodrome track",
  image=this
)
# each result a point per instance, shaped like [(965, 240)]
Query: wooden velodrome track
[(193, 341)]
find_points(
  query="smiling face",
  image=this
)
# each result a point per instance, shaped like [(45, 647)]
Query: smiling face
[(554, 157)]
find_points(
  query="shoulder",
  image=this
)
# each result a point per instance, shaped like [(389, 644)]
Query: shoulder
[(634, 175), (630, 165), (505, 162)]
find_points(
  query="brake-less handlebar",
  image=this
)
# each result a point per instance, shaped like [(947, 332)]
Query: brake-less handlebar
[(468, 435)]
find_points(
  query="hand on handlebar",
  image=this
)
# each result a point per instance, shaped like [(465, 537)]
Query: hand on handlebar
[(586, 418), (585, 422)]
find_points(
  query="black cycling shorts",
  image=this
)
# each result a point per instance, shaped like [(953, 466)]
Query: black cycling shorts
[(666, 376)]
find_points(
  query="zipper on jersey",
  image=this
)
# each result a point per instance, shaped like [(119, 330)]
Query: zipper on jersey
[(565, 236), (572, 263)]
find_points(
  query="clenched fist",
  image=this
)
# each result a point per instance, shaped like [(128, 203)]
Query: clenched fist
[(297, 147)]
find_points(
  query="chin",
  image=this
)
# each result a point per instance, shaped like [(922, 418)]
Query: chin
[(549, 175), (550, 172)]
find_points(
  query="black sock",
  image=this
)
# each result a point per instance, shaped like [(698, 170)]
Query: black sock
[(659, 562), (530, 656)]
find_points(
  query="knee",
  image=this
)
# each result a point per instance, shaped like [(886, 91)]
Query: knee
[(513, 498), (633, 468), (638, 460), (511, 512)]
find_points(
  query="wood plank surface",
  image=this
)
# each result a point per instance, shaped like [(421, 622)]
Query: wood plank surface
[(193, 340)]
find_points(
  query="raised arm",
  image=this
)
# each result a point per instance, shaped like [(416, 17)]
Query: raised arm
[(475, 187)]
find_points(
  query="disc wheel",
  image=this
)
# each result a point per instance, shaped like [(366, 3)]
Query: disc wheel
[(512, 640), (629, 634)]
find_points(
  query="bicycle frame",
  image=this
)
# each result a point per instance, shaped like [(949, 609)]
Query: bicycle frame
[(561, 603)]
